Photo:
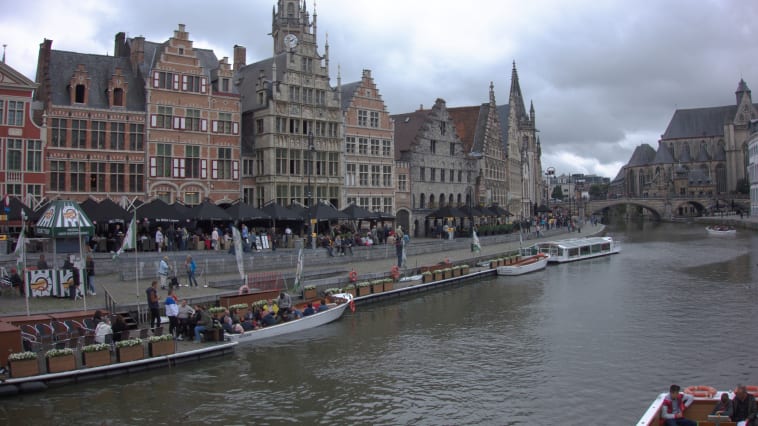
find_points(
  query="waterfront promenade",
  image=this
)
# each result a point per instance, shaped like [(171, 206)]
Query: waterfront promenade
[(118, 277)]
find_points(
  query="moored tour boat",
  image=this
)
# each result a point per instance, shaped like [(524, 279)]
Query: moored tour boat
[(576, 248), (293, 326), (706, 398), (721, 230), (525, 265)]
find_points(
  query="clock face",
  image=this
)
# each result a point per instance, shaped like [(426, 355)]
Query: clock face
[(290, 40)]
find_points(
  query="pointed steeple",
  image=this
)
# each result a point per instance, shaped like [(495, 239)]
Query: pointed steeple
[(742, 89), (515, 99), (531, 112), (492, 95)]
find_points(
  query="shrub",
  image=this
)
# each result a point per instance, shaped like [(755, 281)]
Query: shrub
[(162, 337), (21, 356), (128, 343), (97, 347)]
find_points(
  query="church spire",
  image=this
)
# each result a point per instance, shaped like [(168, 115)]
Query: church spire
[(531, 112), (492, 95), (515, 99)]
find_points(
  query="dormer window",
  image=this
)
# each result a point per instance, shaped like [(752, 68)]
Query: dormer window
[(118, 97), (79, 93)]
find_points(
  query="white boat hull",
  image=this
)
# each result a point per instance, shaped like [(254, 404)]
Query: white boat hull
[(719, 232), (305, 323), (526, 266), (576, 249)]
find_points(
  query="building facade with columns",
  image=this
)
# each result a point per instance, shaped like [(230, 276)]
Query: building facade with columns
[(292, 129)]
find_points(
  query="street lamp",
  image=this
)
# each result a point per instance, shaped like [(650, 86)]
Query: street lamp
[(311, 150), (549, 172)]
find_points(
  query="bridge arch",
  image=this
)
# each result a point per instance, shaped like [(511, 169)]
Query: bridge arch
[(598, 208), (688, 208)]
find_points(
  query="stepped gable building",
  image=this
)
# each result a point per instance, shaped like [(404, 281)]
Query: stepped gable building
[(192, 138), (479, 129), (523, 150), (704, 151), (292, 117), (369, 147), (439, 167), (154, 120), (22, 164), (94, 110)]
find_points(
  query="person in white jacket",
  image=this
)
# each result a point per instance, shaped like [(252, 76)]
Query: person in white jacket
[(103, 329)]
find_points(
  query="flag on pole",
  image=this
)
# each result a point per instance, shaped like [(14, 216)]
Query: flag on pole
[(299, 270), (237, 241), (130, 239), (19, 252), (476, 247)]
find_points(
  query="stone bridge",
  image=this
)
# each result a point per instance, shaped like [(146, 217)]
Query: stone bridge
[(663, 207)]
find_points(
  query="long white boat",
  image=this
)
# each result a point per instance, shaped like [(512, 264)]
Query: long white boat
[(576, 248), (721, 230), (705, 398), (305, 323), (525, 265)]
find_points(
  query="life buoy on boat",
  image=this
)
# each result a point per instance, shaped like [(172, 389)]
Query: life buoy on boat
[(353, 276), (701, 391), (395, 272), (752, 390)]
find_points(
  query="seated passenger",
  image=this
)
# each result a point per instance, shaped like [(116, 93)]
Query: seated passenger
[(323, 306), (227, 324), (674, 404), (103, 329), (309, 310), (744, 407), (724, 407), (269, 319), (248, 325)]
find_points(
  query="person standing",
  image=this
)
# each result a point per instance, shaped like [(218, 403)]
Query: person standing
[(184, 316), (172, 312), (152, 304), (163, 269), (214, 239), (191, 267), (73, 288), (399, 245), (90, 268), (284, 302), (673, 408), (16, 281), (744, 407), (42, 263), (158, 239)]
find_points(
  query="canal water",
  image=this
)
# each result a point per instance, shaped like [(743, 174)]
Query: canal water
[(591, 342)]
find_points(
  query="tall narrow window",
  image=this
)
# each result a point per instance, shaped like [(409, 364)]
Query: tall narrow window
[(387, 176), (2, 111), (192, 120), (13, 154), (402, 182), (225, 122), (281, 161), (80, 90), (118, 97), (334, 159), (386, 148), (118, 138), (97, 177), (163, 160), (59, 132), (375, 147), (375, 175), (363, 146), (15, 113), (98, 135), (78, 134), (295, 161), (117, 177), (136, 177), (350, 145), (192, 161), (34, 155), (57, 175), (165, 117), (374, 115), (136, 137), (362, 117), (78, 172), (350, 175), (363, 175)]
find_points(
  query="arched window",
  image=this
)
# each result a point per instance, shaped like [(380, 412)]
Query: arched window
[(450, 199), (422, 202), (442, 200), (459, 198)]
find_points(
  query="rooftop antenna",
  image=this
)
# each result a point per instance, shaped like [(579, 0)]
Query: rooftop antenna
[(4, 45)]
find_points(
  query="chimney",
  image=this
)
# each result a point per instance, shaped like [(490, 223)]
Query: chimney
[(138, 51), (240, 56), (119, 45)]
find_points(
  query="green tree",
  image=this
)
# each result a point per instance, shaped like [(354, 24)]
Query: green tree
[(598, 191), (557, 193)]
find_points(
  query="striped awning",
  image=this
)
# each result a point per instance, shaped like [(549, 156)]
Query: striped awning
[(64, 218)]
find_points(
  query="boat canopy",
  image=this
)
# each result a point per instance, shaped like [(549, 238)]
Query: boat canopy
[(577, 242)]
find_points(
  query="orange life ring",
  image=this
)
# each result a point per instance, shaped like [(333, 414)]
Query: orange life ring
[(353, 276), (701, 391), (752, 390), (395, 272)]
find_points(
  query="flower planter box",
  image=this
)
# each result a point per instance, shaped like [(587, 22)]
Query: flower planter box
[(464, 270), (438, 276), (364, 291), (389, 286), (131, 353), (61, 363), (457, 272), (427, 278), (448, 273), (350, 291), (96, 359), (24, 368), (166, 347), (309, 294), (493, 264), (377, 288)]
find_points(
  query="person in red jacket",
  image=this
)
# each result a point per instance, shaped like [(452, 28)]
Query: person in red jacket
[(674, 404)]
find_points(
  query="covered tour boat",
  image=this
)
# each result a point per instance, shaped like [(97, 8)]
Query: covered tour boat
[(576, 248)]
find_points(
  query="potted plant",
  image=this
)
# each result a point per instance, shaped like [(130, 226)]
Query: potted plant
[(240, 309), (464, 269), (350, 288), (96, 355), (59, 360), (426, 276), (161, 345), (217, 311), (23, 364), (493, 263), (438, 274), (129, 350), (377, 286), (456, 271), (309, 292), (447, 273), (389, 284), (363, 288)]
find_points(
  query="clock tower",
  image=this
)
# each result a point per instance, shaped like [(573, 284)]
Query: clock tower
[(291, 26)]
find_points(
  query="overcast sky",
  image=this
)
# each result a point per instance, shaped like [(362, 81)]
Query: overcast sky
[(604, 76)]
